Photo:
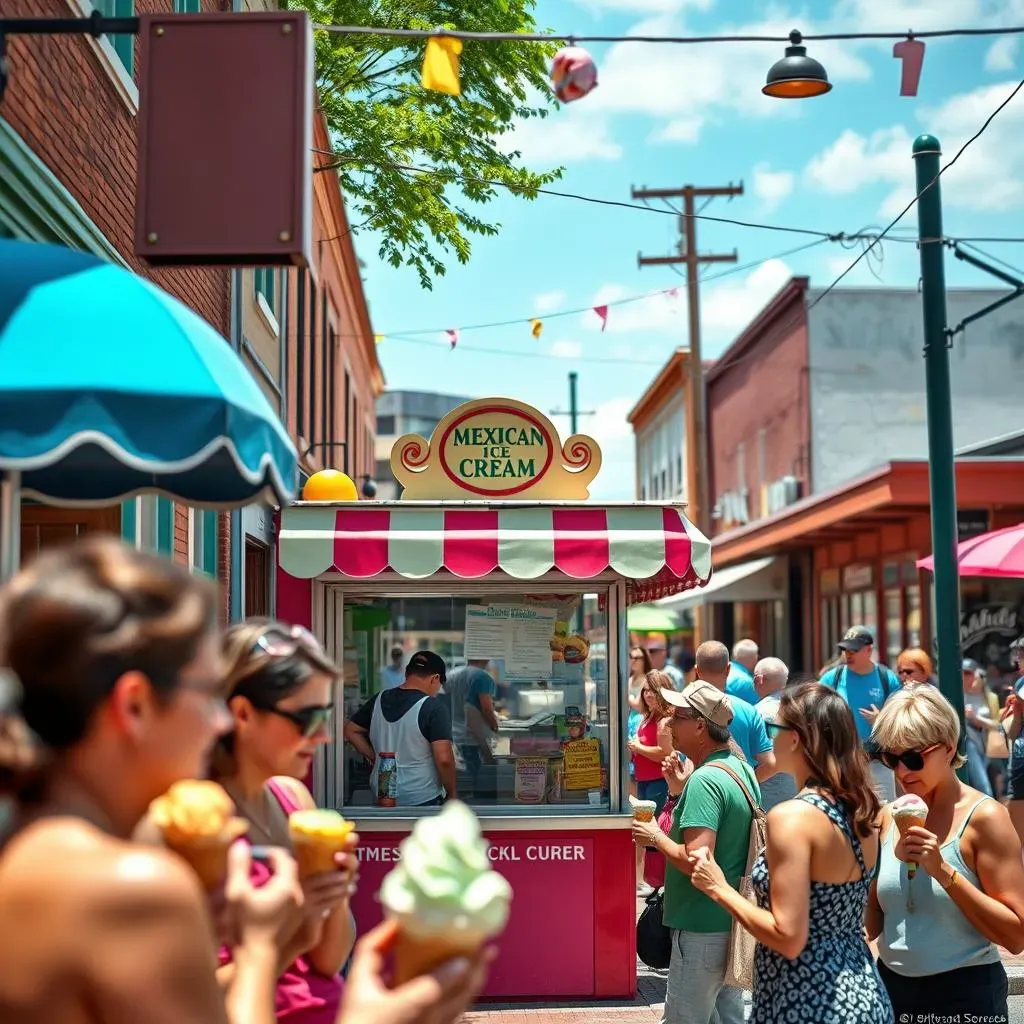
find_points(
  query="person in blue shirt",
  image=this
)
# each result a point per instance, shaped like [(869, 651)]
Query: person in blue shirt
[(747, 727), (1013, 727), (865, 687), (741, 672)]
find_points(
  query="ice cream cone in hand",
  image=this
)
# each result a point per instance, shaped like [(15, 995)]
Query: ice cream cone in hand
[(445, 896), (198, 822), (317, 837), (908, 811)]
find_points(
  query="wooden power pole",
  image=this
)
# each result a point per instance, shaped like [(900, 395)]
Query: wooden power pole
[(697, 497)]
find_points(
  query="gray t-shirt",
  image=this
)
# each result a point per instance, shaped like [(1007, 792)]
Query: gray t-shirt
[(780, 786)]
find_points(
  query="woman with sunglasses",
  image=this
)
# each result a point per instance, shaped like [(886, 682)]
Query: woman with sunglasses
[(812, 881), (280, 686), (950, 892), (914, 666), (113, 691), (639, 666)]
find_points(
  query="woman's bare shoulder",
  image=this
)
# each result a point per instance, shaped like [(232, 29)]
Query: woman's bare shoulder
[(69, 862), (297, 790)]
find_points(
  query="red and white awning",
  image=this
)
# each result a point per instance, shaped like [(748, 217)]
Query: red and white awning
[(654, 547)]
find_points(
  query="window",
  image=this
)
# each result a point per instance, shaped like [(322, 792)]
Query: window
[(385, 426), (202, 541), (265, 284), (187, 7), (124, 45), (539, 674)]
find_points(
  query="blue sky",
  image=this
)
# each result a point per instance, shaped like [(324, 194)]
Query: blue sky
[(665, 116)]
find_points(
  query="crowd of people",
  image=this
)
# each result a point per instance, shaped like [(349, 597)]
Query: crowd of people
[(859, 914), (115, 683)]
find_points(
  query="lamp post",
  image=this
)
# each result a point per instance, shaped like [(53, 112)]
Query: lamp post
[(941, 472)]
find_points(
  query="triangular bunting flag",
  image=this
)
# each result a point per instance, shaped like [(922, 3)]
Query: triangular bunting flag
[(441, 65), (536, 328), (602, 312), (453, 337)]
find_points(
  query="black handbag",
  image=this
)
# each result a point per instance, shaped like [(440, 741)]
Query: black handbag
[(653, 939)]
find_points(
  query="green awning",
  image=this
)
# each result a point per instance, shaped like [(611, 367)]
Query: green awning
[(648, 618)]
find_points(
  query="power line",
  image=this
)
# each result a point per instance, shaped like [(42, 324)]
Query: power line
[(572, 38)]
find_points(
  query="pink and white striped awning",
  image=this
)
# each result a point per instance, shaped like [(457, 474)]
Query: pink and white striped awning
[(654, 547)]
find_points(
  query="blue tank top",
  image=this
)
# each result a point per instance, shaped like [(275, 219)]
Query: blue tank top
[(933, 936)]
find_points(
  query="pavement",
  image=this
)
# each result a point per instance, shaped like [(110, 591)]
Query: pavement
[(649, 1003)]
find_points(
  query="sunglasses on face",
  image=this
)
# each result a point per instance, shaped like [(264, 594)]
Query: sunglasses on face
[(775, 728), (280, 642), (906, 671), (912, 760), (309, 721)]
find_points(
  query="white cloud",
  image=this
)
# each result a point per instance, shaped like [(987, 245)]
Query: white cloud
[(570, 134), (981, 180), (609, 420), (1002, 54), (728, 308), (548, 302), (644, 6), (679, 129), (922, 15), (563, 349), (772, 187)]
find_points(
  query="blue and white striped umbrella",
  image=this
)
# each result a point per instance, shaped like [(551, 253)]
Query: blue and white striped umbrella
[(110, 387)]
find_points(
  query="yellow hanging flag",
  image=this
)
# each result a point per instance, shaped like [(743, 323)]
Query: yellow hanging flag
[(378, 338), (536, 328), (441, 65)]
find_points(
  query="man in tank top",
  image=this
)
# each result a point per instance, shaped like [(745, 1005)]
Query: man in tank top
[(412, 724)]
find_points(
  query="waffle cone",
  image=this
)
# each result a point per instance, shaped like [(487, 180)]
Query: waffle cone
[(418, 953), (905, 822), (314, 856), (206, 855)]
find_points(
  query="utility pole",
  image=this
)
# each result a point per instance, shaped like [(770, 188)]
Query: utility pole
[(573, 412), (696, 456)]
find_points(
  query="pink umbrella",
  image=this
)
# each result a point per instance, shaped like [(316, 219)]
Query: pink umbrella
[(999, 553)]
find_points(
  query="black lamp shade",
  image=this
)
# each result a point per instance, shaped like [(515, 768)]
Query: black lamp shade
[(796, 76)]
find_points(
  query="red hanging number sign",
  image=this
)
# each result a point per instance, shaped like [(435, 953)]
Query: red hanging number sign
[(911, 53)]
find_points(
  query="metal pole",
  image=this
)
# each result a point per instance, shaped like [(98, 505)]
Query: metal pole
[(697, 488), (573, 409), (10, 524), (941, 473), (236, 544)]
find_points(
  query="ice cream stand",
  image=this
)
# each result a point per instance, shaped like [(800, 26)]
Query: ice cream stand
[(495, 559)]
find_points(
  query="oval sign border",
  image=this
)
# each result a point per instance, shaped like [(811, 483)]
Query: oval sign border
[(480, 411)]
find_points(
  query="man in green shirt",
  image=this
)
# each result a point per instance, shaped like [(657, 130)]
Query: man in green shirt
[(713, 815)]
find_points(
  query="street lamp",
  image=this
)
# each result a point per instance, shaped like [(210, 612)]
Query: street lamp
[(796, 76)]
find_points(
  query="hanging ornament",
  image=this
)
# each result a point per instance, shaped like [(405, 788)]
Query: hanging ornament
[(602, 312), (453, 337), (910, 52), (441, 65), (573, 74), (536, 329)]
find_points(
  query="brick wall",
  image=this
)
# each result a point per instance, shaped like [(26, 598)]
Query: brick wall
[(63, 103)]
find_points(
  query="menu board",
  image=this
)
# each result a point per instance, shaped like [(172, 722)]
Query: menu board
[(518, 634)]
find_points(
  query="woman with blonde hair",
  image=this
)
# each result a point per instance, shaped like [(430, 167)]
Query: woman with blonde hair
[(950, 892), (812, 962), (914, 666)]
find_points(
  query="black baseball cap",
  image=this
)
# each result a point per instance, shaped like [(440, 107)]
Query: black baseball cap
[(856, 638), (426, 663)]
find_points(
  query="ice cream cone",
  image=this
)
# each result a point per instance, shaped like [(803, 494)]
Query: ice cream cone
[(905, 822), (418, 952), (643, 810), (317, 836), (206, 855)]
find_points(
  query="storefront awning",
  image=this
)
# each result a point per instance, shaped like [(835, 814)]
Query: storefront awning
[(655, 548), (763, 579)]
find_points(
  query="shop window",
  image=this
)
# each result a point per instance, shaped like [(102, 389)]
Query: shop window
[(265, 285), (893, 625), (124, 45), (202, 540), (540, 659), (187, 6)]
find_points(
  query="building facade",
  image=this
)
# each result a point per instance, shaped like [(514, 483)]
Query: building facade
[(818, 466), (68, 177), (405, 412)]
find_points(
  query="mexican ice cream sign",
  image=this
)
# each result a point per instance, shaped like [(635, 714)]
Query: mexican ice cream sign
[(495, 448)]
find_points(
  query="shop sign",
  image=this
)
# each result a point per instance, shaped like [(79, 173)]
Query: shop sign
[(971, 523), (495, 448), (858, 577), (975, 626)]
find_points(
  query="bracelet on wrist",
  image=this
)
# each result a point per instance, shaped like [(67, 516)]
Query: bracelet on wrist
[(954, 879)]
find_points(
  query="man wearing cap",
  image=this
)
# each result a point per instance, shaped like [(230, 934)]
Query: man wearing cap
[(713, 815), (865, 686), (411, 723), (657, 648), (1013, 726)]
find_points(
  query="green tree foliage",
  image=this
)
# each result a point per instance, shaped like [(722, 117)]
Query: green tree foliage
[(383, 123)]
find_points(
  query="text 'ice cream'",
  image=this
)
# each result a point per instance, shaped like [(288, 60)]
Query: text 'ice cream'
[(445, 895)]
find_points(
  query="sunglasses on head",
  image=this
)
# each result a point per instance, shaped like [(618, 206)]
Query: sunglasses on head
[(912, 760), (283, 642), (309, 721)]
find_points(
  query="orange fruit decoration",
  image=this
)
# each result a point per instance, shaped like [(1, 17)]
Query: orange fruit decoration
[(330, 485)]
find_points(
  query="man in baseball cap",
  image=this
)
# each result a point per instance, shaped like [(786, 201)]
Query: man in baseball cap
[(715, 816)]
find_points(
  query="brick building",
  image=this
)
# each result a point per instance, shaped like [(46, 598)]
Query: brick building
[(68, 176)]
